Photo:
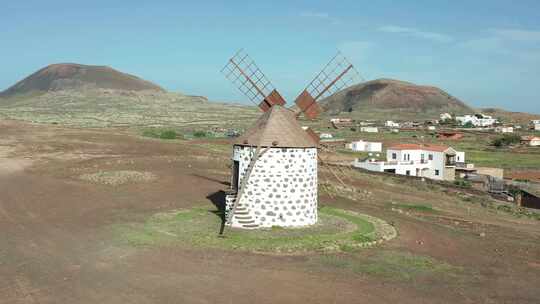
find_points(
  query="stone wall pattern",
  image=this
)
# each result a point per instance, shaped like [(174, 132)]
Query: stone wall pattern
[(282, 189)]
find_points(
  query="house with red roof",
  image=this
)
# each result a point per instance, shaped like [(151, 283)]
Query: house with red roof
[(533, 141), (423, 160)]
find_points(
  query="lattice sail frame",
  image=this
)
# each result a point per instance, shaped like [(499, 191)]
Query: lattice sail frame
[(338, 74), (243, 72)]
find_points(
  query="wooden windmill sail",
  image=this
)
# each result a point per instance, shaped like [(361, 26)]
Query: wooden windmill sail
[(290, 152), (336, 75)]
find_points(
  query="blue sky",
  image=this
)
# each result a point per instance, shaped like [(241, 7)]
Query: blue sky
[(486, 53)]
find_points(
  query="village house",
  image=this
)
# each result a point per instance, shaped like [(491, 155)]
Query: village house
[(502, 129), (369, 129), (367, 123), (445, 116), (341, 120), (535, 125), (338, 123), (430, 161), (325, 136), (477, 120), (391, 124), (410, 124), (365, 146), (533, 141)]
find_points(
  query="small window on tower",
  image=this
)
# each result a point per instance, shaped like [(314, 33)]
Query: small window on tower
[(437, 172)]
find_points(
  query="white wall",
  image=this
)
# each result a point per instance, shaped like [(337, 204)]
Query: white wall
[(282, 190), (438, 162), (486, 121), (535, 142), (412, 161), (369, 129), (365, 146), (460, 157), (391, 124)]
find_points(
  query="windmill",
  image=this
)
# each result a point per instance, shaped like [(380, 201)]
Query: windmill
[(274, 170)]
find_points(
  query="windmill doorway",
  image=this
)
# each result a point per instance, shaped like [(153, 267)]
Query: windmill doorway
[(235, 177)]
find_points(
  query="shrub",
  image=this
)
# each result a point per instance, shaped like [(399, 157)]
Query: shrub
[(200, 134), (462, 183), (150, 133), (161, 134), (506, 140), (168, 134), (468, 125)]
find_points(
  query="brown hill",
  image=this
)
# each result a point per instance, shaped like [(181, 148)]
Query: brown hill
[(386, 95), (58, 77), (509, 116)]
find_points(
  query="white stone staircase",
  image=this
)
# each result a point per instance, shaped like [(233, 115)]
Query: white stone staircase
[(242, 217)]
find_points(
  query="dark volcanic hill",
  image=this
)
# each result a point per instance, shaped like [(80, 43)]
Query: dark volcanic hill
[(64, 76), (386, 95)]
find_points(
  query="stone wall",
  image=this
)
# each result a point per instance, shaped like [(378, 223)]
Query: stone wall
[(282, 189)]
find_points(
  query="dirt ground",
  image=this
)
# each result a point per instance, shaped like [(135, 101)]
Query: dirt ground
[(56, 245), (531, 175)]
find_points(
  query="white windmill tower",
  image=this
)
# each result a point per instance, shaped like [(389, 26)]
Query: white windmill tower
[(274, 171)]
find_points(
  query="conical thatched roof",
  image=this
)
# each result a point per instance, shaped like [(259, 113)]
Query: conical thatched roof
[(277, 127)]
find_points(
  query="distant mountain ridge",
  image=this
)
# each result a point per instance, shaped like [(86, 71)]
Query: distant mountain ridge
[(390, 95), (73, 76)]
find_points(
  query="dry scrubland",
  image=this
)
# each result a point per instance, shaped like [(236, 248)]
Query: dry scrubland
[(65, 238), (92, 212), (112, 108)]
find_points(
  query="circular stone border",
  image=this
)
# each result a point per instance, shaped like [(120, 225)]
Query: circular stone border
[(383, 231), (337, 230), (118, 177)]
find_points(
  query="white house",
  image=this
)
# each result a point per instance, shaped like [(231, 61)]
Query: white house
[(430, 161), (341, 120), (504, 129), (391, 124), (325, 136), (445, 116), (369, 129), (533, 141), (460, 157), (535, 125), (365, 146), (477, 120)]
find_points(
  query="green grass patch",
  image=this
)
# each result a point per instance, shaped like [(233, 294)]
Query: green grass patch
[(504, 159), (336, 230), (387, 264), (201, 134), (161, 133)]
